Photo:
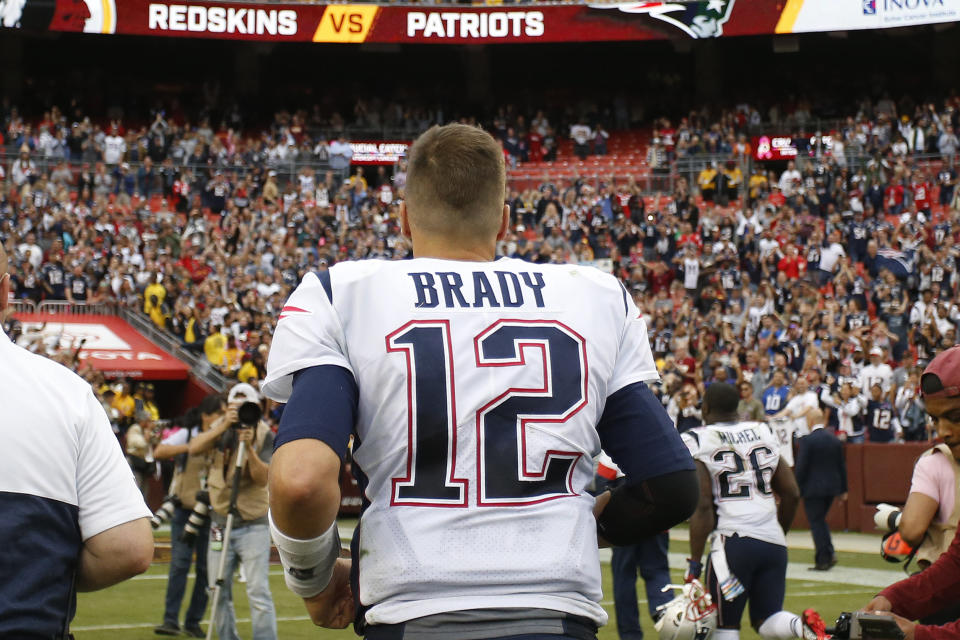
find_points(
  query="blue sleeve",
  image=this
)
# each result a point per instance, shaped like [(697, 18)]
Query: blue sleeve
[(322, 406), (636, 432)]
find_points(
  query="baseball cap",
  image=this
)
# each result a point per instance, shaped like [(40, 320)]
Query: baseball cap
[(941, 378), (244, 393), (876, 351)]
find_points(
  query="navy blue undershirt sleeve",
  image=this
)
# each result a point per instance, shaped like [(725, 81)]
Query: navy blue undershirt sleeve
[(323, 406), (636, 432)]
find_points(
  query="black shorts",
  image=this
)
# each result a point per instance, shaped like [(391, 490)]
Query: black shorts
[(762, 569)]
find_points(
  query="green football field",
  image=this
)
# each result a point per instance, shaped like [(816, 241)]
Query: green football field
[(130, 610)]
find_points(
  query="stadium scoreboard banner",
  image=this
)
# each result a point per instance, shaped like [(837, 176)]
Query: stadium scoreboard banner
[(455, 24)]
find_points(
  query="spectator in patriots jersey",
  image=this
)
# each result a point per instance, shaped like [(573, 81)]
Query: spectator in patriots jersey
[(54, 279), (78, 285), (883, 425), (774, 397), (741, 478), (729, 277), (858, 235), (850, 405), (466, 525), (947, 179)]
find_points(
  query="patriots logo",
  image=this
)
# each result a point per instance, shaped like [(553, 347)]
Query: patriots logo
[(704, 19)]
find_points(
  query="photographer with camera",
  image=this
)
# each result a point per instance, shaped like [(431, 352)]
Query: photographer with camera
[(248, 542), (932, 595), (188, 484)]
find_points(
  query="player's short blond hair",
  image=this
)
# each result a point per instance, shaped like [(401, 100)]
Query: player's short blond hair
[(456, 182)]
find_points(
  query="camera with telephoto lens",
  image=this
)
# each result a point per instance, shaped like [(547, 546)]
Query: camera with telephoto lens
[(165, 512), (198, 518), (865, 626), (248, 416)]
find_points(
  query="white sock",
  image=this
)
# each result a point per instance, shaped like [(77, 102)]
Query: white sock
[(783, 625), (725, 634)]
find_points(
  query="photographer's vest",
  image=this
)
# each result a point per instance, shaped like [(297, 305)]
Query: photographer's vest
[(251, 497), (940, 534), (189, 480)]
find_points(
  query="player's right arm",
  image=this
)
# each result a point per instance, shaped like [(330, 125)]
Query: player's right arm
[(785, 487), (308, 370)]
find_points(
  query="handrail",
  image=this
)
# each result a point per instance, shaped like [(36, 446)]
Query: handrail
[(199, 365), (23, 306), (77, 308)]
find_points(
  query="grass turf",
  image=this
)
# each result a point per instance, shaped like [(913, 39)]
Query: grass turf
[(130, 610)]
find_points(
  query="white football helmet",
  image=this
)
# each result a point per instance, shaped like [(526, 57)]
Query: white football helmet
[(690, 616)]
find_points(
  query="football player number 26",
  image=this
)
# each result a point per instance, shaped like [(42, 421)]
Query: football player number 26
[(505, 474), (732, 481)]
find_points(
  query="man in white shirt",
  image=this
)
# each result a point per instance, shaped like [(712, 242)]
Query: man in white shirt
[(923, 309), (789, 180), (581, 135), (341, 153), (830, 256), (876, 372), (73, 519), (114, 146), (794, 416)]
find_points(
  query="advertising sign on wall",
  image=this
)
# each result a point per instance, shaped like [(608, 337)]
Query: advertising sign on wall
[(457, 24)]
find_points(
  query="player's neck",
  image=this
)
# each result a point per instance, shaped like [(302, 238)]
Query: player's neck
[(444, 249)]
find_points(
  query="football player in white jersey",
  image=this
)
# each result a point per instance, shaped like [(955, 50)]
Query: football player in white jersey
[(477, 392), (741, 472)]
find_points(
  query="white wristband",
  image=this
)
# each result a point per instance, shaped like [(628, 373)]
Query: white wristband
[(307, 564)]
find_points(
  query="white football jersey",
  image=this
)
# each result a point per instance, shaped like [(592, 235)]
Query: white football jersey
[(480, 387), (741, 458)]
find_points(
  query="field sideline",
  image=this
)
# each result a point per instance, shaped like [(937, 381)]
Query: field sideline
[(130, 610)]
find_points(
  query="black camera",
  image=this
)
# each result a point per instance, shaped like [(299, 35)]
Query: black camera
[(198, 518), (248, 414), (165, 512), (865, 626)]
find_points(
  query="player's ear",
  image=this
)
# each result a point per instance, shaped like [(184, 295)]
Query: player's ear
[(404, 220), (504, 222)]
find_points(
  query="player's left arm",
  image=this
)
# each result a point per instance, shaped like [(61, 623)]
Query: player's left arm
[(785, 487), (660, 489)]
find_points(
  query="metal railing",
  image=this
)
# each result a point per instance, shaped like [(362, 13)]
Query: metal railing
[(199, 365), (62, 307), (23, 306)]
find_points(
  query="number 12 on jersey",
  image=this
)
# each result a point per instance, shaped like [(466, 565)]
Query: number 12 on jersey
[(503, 476)]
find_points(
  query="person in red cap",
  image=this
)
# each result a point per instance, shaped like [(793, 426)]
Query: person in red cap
[(933, 595)]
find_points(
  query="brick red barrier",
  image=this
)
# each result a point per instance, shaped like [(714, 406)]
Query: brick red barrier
[(875, 473)]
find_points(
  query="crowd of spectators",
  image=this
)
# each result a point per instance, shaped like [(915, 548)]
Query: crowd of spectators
[(830, 279)]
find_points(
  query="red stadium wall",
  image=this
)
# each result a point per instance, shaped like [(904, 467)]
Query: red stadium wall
[(875, 473)]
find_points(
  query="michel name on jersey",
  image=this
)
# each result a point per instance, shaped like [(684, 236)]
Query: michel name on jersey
[(500, 289), (739, 437)]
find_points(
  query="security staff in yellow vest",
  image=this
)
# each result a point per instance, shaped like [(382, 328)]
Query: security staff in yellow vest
[(930, 516), (249, 542), (189, 478)]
